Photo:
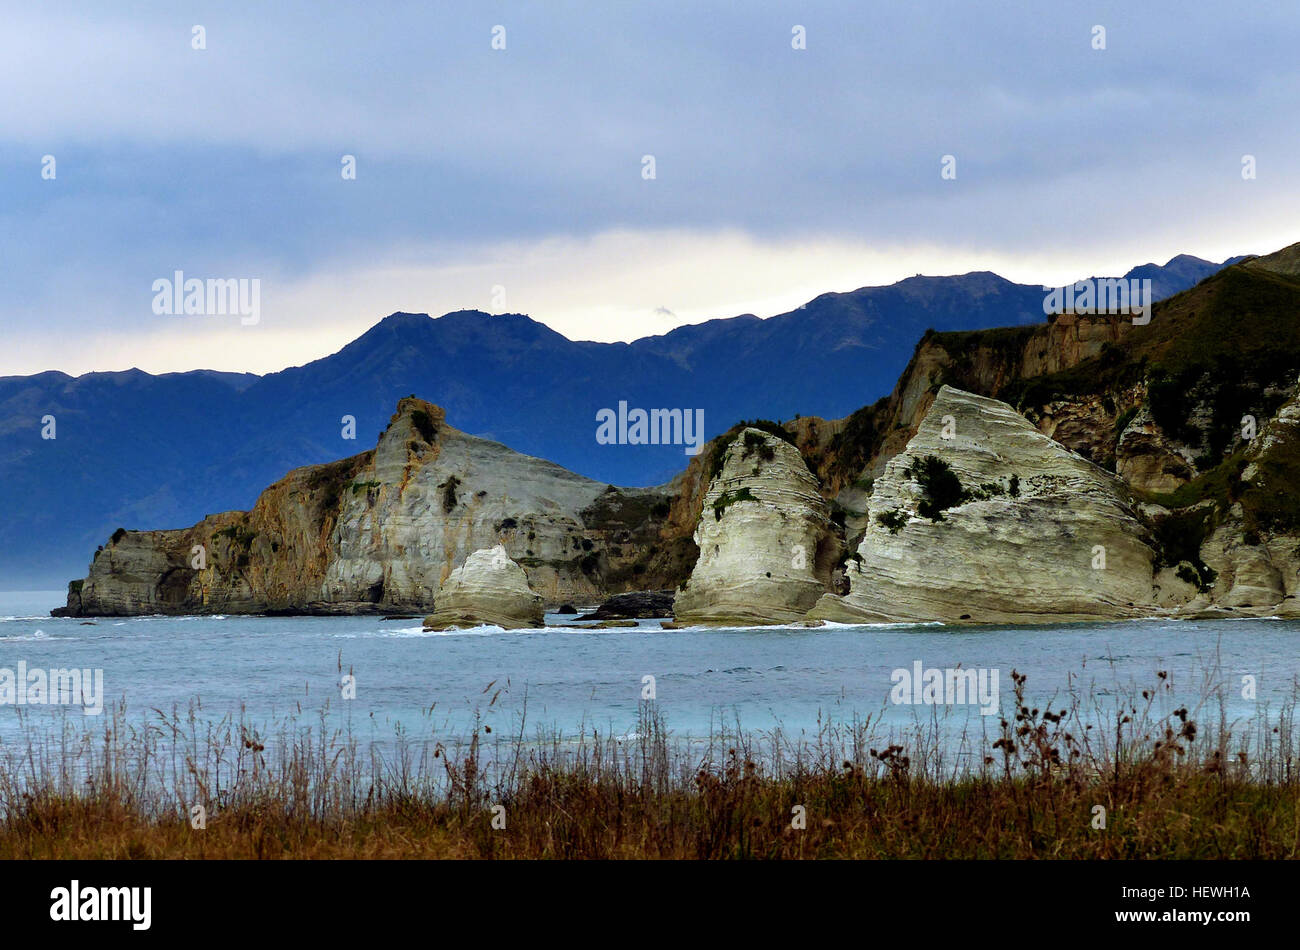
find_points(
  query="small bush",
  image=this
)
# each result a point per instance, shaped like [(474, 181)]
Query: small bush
[(984, 492), (1124, 419), (449, 493), (728, 499), (719, 446), (940, 484), (756, 443), (893, 520)]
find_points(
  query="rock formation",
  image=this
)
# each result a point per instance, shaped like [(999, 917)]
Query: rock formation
[(765, 538), (1149, 460), (382, 531), (1009, 520), (642, 604), (1253, 551), (984, 519), (488, 588)]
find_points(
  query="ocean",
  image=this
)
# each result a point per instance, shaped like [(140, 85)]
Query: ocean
[(438, 686)]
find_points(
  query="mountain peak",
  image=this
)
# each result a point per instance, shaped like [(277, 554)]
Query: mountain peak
[(401, 318), (974, 276), (1182, 259)]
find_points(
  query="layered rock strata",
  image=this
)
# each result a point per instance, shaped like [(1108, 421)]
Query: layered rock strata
[(984, 519)]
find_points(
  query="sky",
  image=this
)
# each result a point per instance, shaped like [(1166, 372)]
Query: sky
[(515, 179)]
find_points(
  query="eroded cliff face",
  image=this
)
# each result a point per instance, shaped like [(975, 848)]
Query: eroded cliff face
[(1251, 543), (383, 530), (767, 545), (992, 362), (984, 519), (846, 455), (272, 558), (1148, 459), (431, 495)]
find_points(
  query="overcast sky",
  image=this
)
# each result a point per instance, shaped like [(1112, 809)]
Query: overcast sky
[(780, 173)]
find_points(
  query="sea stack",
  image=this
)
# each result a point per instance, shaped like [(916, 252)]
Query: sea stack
[(489, 588), (765, 539)]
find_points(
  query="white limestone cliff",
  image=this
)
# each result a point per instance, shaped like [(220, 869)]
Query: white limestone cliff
[(1038, 533), (383, 530)]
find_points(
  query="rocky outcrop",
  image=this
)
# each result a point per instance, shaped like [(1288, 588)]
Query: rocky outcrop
[(1253, 551), (766, 541), (989, 362), (382, 531), (490, 589), (846, 455), (635, 605), (984, 519)]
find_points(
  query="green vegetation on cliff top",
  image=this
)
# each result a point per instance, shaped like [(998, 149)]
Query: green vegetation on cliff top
[(717, 451)]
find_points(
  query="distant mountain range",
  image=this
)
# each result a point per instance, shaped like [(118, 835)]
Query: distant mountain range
[(137, 450)]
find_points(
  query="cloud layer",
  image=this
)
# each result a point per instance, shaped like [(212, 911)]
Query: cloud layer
[(780, 173)]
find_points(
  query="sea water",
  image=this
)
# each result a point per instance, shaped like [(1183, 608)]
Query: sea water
[(794, 679)]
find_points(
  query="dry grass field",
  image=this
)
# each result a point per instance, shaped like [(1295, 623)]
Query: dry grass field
[(1170, 787)]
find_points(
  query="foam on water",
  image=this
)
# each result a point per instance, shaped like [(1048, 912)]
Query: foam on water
[(35, 636), (420, 632)]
